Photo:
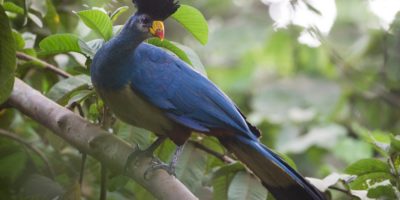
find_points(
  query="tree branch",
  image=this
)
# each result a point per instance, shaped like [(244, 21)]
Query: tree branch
[(94, 141), (46, 65)]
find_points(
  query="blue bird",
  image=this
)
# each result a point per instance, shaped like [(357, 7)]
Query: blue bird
[(147, 87)]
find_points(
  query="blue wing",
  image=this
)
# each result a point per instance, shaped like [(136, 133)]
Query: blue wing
[(184, 95)]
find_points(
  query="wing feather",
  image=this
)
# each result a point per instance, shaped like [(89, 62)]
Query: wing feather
[(186, 96)]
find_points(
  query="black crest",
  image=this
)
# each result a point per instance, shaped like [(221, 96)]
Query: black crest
[(156, 9)]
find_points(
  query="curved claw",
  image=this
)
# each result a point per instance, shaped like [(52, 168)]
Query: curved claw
[(170, 169)]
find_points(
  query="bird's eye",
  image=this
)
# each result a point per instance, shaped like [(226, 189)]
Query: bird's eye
[(146, 20)]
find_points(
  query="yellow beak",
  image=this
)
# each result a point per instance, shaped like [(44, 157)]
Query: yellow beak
[(157, 29)]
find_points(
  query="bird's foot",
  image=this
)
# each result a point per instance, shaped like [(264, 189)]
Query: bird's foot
[(138, 153), (169, 168), (157, 164)]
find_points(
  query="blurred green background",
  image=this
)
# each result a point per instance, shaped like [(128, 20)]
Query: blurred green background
[(325, 107)]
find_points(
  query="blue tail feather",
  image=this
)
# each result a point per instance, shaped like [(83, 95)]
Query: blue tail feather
[(275, 174)]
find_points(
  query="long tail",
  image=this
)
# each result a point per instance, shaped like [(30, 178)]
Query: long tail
[(277, 176)]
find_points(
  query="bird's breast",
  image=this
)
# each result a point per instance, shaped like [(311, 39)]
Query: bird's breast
[(132, 108)]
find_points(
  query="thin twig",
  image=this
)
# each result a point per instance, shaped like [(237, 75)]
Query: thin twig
[(46, 65), (84, 155), (106, 123), (343, 191), (220, 156), (103, 182), (82, 169), (20, 140)]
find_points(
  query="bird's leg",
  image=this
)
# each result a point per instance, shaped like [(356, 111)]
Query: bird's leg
[(170, 168), (147, 152)]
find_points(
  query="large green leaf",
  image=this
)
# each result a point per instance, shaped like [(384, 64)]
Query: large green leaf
[(13, 164), (171, 47), (383, 192), (366, 166), (51, 19), (19, 40), (7, 57), (193, 57), (63, 90), (183, 52), (60, 43), (12, 7), (192, 19), (98, 21), (90, 48), (365, 181), (246, 186), (40, 187), (220, 187), (191, 166), (222, 177)]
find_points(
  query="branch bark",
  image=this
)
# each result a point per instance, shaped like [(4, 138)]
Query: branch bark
[(94, 141), (46, 65)]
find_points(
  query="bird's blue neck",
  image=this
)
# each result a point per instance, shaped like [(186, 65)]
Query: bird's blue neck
[(128, 39), (112, 64)]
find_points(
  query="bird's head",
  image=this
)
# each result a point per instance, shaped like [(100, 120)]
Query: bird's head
[(147, 25), (151, 14)]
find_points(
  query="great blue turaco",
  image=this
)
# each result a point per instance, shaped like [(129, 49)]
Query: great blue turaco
[(147, 87)]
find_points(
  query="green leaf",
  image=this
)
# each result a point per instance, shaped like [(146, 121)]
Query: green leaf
[(365, 181), (60, 43), (183, 52), (19, 41), (366, 166), (194, 58), (81, 96), (382, 192), (52, 19), (246, 186), (117, 183), (228, 169), (12, 7), (221, 187), (114, 16), (40, 187), (165, 151), (90, 48), (193, 21), (359, 150), (395, 143), (191, 166), (171, 47), (381, 140), (12, 165), (7, 57), (64, 89), (98, 21)]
